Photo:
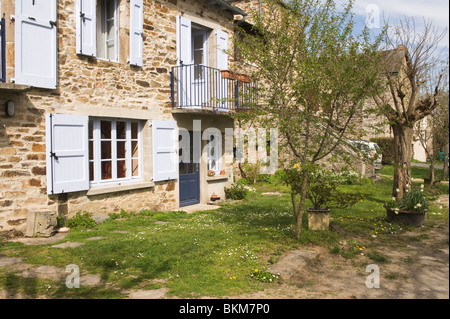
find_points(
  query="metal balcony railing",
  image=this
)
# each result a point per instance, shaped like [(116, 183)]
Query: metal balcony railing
[(202, 87), (2, 50)]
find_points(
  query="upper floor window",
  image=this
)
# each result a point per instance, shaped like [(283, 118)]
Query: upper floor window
[(97, 29), (107, 29)]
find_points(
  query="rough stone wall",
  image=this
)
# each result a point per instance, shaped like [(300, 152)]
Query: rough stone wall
[(93, 87)]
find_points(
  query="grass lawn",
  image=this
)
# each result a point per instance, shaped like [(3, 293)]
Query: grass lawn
[(210, 253), (416, 171)]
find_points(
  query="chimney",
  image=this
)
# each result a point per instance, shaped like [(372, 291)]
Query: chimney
[(401, 47)]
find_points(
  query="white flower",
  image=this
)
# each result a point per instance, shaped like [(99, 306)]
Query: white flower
[(421, 186), (397, 190), (419, 205), (393, 198)]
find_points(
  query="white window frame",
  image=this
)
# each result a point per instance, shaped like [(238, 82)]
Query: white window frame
[(216, 144), (96, 139), (101, 16)]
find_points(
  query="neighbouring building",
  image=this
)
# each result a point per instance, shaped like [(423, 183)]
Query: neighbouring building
[(97, 97)]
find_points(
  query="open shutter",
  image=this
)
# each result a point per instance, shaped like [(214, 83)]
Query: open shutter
[(222, 46), (86, 20), (136, 31), (184, 43), (165, 146), (67, 150), (35, 43)]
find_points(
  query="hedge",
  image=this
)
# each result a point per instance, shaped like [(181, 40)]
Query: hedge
[(386, 145)]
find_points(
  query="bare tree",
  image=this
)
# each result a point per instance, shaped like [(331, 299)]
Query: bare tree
[(409, 97)]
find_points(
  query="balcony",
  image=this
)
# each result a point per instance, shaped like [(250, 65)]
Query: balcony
[(197, 88)]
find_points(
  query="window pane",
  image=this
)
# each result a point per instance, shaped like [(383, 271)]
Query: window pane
[(121, 150), (135, 150), (134, 130), (106, 150), (91, 130), (121, 130), (106, 170), (135, 165), (198, 41), (110, 50), (121, 169), (198, 57), (182, 168), (91, 171), (110, 8), (91, 150), (105, 129)]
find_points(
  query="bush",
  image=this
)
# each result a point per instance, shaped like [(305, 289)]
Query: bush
[(237, 191), (386, 145), (81, 220)]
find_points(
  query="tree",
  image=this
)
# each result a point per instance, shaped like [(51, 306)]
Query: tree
[(314, 75), (409, 96)]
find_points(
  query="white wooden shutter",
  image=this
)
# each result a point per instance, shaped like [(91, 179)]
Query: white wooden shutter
[(184, 43), (86, 20), (222, 46), (35, 43), (67, 149), (136, 31), (165, 150)]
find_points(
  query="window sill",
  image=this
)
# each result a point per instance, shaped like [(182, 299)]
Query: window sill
[(98, 190), (216, 178)]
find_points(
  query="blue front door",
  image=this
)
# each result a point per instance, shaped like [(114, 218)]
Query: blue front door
[(189, 179)]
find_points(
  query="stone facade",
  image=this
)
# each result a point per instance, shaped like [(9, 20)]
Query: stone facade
[(97, 88)]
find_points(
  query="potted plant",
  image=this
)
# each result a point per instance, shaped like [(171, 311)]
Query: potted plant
[(323, 192), (227, 74), (410, 210), (211, 173), (222, 172)]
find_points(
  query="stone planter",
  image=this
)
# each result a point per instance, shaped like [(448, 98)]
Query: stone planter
[(318, 219), (406, 218)]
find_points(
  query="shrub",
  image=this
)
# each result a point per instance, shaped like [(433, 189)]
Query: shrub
[(81, 220), (237, 191), (386, 145)]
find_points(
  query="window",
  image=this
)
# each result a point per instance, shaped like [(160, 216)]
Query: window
[(107, 27), (214, 152), (199, 53), (114, 150)]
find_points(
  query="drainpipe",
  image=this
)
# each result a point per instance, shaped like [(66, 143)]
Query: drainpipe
[(260, 9)]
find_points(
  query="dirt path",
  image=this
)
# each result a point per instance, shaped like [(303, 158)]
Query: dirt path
[(416, 270)]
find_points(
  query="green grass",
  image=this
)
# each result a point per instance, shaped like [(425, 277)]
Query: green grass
[(416, 171), (211, 253)]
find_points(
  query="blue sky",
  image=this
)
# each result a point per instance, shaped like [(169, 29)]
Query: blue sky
[(394, 10)]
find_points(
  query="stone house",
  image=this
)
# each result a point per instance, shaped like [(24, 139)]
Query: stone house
[(99, 97), (373, 125)]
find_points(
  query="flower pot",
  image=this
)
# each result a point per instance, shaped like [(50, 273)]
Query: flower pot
[(318, 219), (227, 74), (222, 172), (406, 218)]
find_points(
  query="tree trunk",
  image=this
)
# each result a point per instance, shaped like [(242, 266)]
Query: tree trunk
[(445, 170), (402, 159), (432, 171), (299, 208)]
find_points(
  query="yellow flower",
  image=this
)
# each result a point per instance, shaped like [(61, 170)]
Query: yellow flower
[(361, 200), (256, 270), (296, 166)]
